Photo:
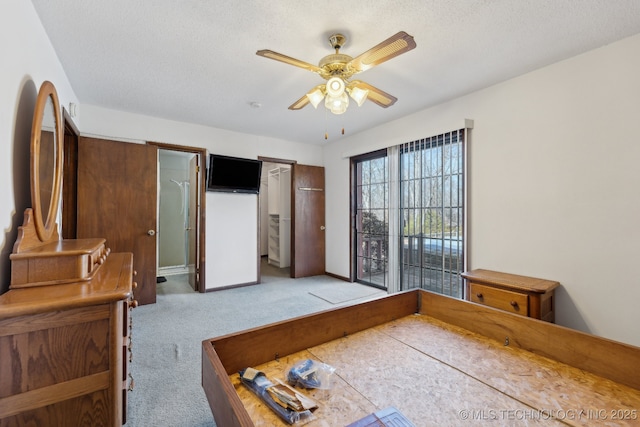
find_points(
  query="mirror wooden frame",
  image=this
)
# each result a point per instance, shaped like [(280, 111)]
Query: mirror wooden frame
[(39, 256), (45, 226)]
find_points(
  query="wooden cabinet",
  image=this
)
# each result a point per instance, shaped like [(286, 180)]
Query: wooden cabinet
[(64, 350), (527, 296), (279, 207)]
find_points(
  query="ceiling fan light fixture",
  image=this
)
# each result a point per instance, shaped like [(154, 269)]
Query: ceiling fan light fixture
[(337, 104), (358, 95), (316, 96), (337, 69), (335, 87)]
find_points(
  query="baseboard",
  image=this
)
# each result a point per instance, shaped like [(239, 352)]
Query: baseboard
[(239, 285), (335, 276), (173, 270)]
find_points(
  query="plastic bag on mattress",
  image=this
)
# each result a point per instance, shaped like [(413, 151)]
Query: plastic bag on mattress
[(290, 405), (309, 373)]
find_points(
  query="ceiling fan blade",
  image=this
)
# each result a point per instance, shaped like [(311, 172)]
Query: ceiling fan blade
[(300, 103), (390, 48), (376, 95), (288, 60)]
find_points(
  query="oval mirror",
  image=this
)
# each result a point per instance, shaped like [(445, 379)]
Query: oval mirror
[(46, 161)]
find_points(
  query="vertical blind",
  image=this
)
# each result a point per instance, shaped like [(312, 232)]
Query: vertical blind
[(409, 215), (431, 200)]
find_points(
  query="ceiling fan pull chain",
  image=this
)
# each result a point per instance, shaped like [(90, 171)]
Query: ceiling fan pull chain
[(326, 135)]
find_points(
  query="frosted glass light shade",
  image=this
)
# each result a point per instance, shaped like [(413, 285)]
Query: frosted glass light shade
[(315, 97), (359, 95), (337, 104)]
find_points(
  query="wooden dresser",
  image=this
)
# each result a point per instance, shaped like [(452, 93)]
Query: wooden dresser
[(64, 350), (527, 296)]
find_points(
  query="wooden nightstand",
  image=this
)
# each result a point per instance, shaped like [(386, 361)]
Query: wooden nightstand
[(527, 296)]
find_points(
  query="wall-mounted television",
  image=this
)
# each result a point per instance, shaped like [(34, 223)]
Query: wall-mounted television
[(233, 174)]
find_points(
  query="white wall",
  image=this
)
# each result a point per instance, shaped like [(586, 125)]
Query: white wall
[(120, 125), (232, 239), (553, 182), (28, 59)]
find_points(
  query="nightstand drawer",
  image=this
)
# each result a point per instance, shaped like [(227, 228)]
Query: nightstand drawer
[(513, 302)]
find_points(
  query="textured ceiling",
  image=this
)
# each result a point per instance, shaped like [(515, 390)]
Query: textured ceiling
[(194, 60)]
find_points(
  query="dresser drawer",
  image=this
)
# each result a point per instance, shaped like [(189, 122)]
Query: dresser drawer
[(503, 299)]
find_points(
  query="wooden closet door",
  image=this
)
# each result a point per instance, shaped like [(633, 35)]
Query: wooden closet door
[(117, 200), (308, 215)]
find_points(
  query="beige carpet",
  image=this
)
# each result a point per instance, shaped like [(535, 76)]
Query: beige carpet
[(336, 294), (167, 337)]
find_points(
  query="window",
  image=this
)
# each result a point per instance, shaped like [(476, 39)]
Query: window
[(432, 213)]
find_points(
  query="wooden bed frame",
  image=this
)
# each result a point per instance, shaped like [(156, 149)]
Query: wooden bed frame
[(604, 365)]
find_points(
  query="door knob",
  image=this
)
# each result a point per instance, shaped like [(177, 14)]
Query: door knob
[(151, 232), (322, 227)]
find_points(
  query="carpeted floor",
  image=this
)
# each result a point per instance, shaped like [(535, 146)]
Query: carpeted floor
[(167, 336)]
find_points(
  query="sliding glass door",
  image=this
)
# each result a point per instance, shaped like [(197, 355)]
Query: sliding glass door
[(408, 215), (371, 218)]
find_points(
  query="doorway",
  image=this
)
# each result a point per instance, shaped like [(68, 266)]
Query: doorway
[(275, 219), (370, 227), (177, 210), (181, 213), (299, 223), (70, 177)]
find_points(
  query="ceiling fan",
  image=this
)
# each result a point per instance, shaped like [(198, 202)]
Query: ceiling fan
[(338, 68)]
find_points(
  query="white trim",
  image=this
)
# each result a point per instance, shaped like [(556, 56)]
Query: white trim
[(112, 138), (465, 199)]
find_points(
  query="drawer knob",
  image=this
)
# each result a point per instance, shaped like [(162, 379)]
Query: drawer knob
[(514, 304), (134, 304), (479, 295)]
